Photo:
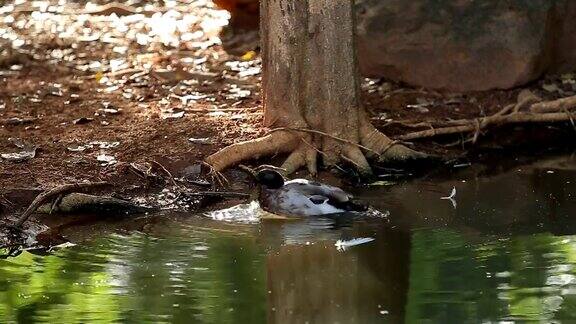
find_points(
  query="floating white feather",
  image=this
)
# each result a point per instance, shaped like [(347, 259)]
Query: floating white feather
[(452, 198), (342, 245)]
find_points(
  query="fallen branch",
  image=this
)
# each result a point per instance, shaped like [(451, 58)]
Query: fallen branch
[(475, 125), (53, 193), (559, 105), (115, 74), (79, 202), (209, 110)]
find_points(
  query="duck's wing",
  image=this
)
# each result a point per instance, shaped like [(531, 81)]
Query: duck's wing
[(324, 195), (290, 201), (316, 190), (320, 193)]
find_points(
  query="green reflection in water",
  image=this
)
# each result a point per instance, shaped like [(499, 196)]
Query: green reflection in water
[(200, 277), (525, 278), (195, 276)]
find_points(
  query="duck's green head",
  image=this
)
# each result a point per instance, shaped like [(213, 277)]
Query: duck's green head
[(270, 179)]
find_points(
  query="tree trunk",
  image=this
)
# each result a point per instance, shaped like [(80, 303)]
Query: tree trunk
[(311, 90)]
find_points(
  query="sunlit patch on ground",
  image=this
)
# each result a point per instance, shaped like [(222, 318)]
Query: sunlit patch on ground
[(152, 76)]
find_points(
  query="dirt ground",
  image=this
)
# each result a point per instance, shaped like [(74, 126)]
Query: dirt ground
[(117, 92)]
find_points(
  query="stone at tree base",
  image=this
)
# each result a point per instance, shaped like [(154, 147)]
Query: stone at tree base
[(456, 45), (465, 45), (565, 59)]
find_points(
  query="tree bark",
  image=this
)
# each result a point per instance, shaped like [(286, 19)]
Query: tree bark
[(311, 91)]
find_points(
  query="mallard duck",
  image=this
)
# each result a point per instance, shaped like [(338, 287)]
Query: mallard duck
[(301, 197)]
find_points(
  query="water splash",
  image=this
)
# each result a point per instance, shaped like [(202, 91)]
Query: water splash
[(244, 213)]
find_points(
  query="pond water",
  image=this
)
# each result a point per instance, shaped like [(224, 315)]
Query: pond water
[(505, 252)]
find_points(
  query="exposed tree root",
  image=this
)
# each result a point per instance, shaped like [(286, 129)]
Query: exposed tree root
[(477, 125), (539, 112), (304, 146), (353, 155), (562, 104), (281, 142), (303, 156), (385, 148)]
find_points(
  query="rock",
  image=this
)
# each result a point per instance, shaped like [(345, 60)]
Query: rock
[(565, 60), (455, 45), (459, 45)]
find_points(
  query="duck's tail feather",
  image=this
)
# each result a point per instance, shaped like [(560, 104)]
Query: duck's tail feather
[(348, 205)]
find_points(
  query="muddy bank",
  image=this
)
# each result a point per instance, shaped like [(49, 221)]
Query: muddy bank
[(386, 192), (163, 203)]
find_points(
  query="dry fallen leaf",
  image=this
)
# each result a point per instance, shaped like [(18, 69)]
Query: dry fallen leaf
[(28, 151), (248, 56), (19, 156), (105, 159), (550, 87), (203, 141), (82, 120), (170, 114)]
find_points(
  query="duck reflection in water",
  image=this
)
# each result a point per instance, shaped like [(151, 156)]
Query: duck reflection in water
[(310, 280)]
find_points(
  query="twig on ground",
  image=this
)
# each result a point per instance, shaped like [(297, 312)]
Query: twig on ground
[(526, 99), (313, 131), (52, 193), (168, 173), (506, 110), (116, 73), (209, 110), (247, 169), (216, 174), (7, 202), (55, 203), (461, 141), (407, 124), (137, 172)]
